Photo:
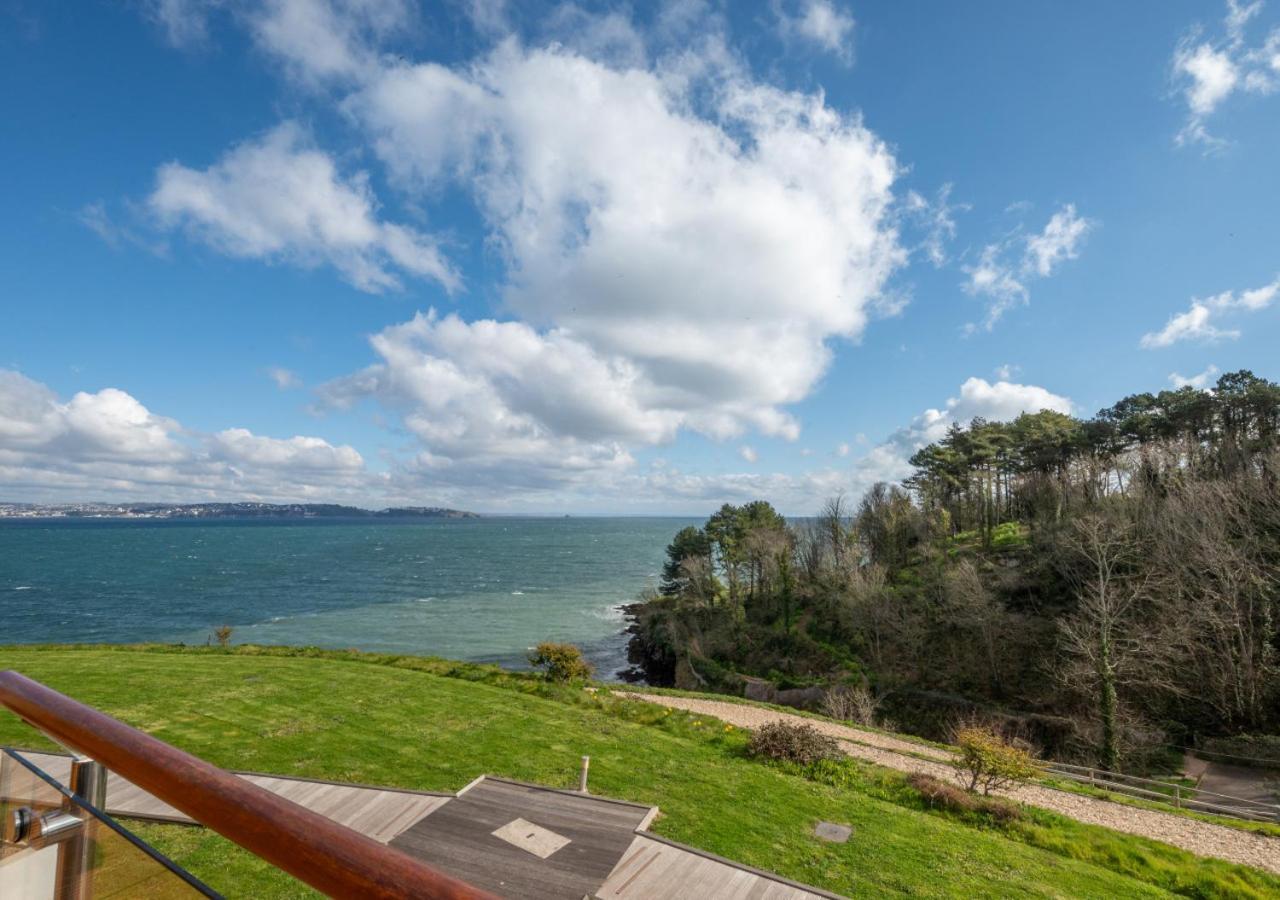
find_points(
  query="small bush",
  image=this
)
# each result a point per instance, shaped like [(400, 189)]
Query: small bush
[(850, 704), (222, 634), (938, 794), (839, 773), (560, 662), (989, 762), (1000, 810), (802, 744), (1007, 534)]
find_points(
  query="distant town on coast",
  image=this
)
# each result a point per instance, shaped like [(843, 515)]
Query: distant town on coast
[(221, 511)]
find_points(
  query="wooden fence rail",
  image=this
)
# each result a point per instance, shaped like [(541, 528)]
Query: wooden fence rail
[(1181, 797)]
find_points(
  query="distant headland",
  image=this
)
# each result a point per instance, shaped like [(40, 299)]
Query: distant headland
[(222, 511)]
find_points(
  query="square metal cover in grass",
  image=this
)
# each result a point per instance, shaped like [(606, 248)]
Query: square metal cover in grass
[(830, 831), (531, 838)]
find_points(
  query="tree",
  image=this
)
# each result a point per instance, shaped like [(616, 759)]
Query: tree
[(1101, 639), (742, 558), (560, 662), (989, 762), (724, 530), (889, 524), (833, 522), (690, 545), (979, 621)]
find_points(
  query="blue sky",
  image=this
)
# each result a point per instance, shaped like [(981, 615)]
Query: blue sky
[(607, 258)]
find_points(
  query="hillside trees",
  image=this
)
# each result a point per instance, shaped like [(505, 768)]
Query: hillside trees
[(1043, 464), (1103, 581)]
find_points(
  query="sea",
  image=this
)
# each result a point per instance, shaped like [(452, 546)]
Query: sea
[(484, 589)]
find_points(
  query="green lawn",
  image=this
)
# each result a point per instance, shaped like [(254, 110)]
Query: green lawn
[(435, 725)]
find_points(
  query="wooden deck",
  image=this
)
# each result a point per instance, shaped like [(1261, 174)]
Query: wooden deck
[(516, 840), (379, 813), (459, 838)]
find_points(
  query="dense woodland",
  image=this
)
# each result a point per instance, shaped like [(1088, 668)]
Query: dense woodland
[(1107, 587)]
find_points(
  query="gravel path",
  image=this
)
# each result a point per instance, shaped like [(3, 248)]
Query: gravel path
[(1202, 838)]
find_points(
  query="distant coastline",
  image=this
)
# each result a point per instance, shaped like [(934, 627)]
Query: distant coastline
[(222, 511)]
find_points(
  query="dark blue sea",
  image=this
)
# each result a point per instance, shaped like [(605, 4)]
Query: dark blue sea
[(477, 589)]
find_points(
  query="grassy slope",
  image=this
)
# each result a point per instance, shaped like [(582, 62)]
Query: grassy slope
[(1062, 784), (379, 724)]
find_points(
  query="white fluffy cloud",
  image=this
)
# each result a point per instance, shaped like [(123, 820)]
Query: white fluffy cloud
[(1194, 324), (654, 256), (492, 397), (1004, 268), (109, 424), (1201, 321), (1060, 240), (1212, 76), (1208, 72), (819, 22), (241, 447), (280, 198), (107, 444), (327, 40), (995, 279), (1196, 381)]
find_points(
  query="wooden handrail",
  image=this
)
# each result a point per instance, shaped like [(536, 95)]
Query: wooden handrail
[(328, 856)]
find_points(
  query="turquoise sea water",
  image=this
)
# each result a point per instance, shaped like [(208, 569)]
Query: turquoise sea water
[(479, 589)]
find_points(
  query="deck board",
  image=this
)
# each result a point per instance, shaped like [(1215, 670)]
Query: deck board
[(654, 868)]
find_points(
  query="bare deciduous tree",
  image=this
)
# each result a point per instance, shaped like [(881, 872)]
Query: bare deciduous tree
[(1106, 642)]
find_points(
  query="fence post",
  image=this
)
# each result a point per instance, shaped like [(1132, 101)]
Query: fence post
[(1177, 796)]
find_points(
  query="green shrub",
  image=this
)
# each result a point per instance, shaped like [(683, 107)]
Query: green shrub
[(1008, 534), (989, 762), (839, 773), (560, 662), (802, 744)]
